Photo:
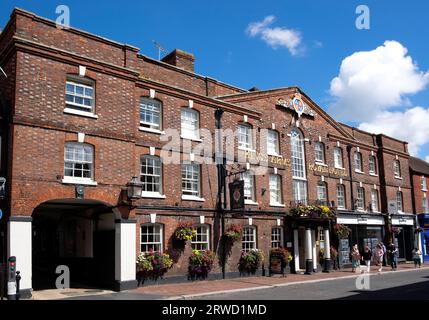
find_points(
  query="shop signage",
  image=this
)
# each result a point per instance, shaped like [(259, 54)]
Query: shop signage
[(327, 170), (362, 220), (403, 221), (266, 158), (236, 194)]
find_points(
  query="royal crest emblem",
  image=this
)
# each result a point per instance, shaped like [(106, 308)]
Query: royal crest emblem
[(298, 104)]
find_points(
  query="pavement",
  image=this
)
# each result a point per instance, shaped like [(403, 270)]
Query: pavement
[(214, 288)]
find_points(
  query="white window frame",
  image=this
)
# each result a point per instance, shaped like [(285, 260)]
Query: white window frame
[(153, 175), (322, 192), (276, 237), (423, 183), (374, 200), (298, 155), (159, 232), (249, 183), (319, 152), (300, 191), (276, 192), (372, 165), (273, 142), (196, 242), (341, 194), (397, 169), (248, 238), (190, 124), (360, 203), (338, 158), (245, 137), (80, 108), (152, 108), (87, 149), (191, 171), (399, 201), (358, 162)]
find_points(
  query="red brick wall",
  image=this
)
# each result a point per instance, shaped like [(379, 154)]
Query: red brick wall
[(418, 192)]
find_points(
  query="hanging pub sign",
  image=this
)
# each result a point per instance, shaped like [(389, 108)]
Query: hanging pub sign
[(236, 194)]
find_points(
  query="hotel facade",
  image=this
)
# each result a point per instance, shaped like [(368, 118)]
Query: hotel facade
[(83, 115)]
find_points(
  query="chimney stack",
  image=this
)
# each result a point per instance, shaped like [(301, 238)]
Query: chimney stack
[(180, 59)]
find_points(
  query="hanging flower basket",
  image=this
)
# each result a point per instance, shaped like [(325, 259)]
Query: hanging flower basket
[(185, 231), (284, 253), (233, 233), (342, 231), (314, 212), (153, 265), (200, 264)]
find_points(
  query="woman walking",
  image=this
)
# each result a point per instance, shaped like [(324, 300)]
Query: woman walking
[(416, 257), (355, 258), (379, 254), (367, 256)]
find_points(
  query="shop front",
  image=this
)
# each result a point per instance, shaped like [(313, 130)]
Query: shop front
[(366, 230), (403, 226), (423, 220)]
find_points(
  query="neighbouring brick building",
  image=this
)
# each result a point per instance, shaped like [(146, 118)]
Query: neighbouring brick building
[(419, 171), (82, 116)]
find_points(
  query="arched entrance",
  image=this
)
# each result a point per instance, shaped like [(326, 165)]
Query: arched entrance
[(77, 233)]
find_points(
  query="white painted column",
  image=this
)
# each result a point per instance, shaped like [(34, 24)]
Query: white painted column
[(19, 245), (125, 254), (327, 254), (296, 249), (308, 245), (314, 251)]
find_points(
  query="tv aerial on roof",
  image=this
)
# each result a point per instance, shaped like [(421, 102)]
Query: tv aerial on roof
[(160, 48)]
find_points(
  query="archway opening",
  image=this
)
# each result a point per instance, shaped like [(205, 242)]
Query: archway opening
[(78, 234)]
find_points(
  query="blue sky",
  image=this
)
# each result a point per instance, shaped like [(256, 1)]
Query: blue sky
[(217, 33)]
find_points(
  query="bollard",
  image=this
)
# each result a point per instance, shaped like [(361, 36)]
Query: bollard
[(18, 279)]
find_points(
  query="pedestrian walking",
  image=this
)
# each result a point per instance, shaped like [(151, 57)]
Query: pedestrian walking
[(392, 253), (366, 257), (417, 258), (379, 255), (384, 254), (355, 258)]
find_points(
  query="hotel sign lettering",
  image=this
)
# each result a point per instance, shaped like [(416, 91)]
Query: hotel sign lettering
[(327, 170), (258, 157)]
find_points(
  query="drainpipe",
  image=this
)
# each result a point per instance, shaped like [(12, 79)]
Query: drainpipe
[(349, 156)]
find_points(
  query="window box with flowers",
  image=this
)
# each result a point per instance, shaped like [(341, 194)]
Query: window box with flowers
[(185, 232), (152, 265), (313, 212), (200, 264), (250, 261), (233, 233)]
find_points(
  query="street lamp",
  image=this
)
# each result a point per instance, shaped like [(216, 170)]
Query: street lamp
[(134, 188)]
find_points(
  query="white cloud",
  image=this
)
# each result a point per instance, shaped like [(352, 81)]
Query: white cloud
[(276, 37), (371, 82), (411, 125), (427, 159)]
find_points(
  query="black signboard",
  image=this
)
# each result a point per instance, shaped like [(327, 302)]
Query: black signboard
[(236, 194), (277, 264)]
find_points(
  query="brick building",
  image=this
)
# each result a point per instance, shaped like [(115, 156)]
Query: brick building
[(419, 171), (83, 115)]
